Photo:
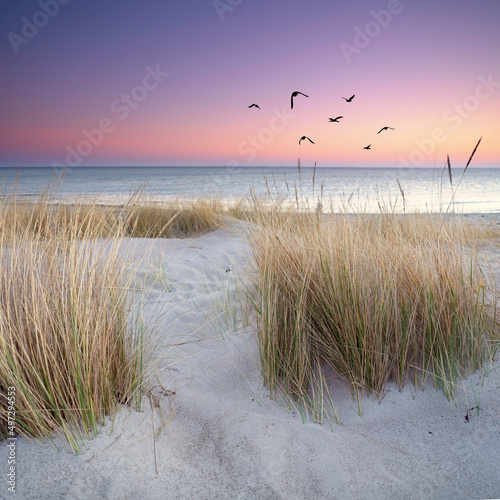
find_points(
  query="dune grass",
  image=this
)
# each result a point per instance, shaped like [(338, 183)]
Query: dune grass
[(173, 219), (67, 346), (378, 298), (139, 218), (42, 219)]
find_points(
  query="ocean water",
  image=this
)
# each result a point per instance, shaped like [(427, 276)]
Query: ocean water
[(353, 189)]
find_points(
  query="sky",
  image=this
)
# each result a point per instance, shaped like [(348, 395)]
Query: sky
[(168, 83)]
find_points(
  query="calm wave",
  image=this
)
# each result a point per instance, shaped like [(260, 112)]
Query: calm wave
[(425, 189)]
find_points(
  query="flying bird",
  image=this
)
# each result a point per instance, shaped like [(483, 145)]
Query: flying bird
[(385, 128), (367, 147), (350, 98), (295, 94), (335, 119), (304, 137), (254, 106)]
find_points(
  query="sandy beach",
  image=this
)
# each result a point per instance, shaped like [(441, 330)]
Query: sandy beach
[(219, 435), (250, 250)]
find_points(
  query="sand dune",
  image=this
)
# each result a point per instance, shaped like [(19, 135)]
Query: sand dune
[(225, 437)]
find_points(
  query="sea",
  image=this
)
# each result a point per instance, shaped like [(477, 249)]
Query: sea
[(351, 189)]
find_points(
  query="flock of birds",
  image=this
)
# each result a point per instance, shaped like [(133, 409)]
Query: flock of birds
[(330, 120)]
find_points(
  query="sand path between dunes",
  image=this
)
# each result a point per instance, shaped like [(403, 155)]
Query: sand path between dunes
[(228, 439)]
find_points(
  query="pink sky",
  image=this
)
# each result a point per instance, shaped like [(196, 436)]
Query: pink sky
[(430, 71)]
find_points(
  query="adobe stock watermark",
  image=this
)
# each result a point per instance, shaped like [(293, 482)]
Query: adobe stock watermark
[(11, 439), (254, 144), (31, 27), (224, 6), (372, 29), (121, 107), (455, 116)]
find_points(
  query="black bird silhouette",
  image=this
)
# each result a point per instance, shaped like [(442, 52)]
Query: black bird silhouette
[(367, 147), (335, 119), (385, 128), (304, 137), (350, 98), (254, 106), (295, 94)]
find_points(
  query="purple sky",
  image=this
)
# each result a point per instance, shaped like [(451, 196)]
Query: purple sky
[(169, 83)]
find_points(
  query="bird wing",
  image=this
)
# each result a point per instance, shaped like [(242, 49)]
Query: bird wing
[(301, 93), (339, 117), (381, 130), (352, 97), (311, 141), (291, 98)]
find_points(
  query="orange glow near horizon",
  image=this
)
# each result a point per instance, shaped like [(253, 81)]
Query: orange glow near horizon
[(440, 92)]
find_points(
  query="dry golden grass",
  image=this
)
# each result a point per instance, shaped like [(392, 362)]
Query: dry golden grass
[(140, 218), (173, 219), (378, 298), (66, 345), (43, 219)]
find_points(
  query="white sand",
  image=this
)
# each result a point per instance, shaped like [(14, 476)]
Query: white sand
[(227, 439)]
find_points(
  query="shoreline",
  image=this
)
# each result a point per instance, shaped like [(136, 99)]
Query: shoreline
[(121, 201)]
